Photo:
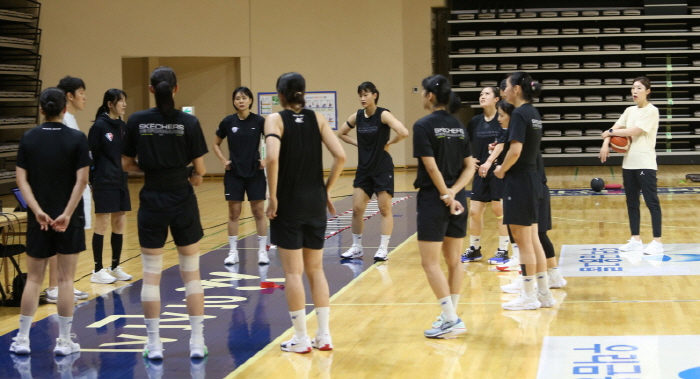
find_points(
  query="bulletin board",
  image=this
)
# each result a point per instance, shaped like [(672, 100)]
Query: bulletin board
[(323, 102)]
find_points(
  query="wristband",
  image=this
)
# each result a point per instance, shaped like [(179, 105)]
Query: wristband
[(610, 131), (445, 197)]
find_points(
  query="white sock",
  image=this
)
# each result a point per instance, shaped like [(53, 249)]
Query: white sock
[(299, 322), (455, 300), (323, 314), (475, 241), (197, 325), (233, 241), (554, 273), (385, 242), (153, 330), (516, 249), (64, 324), (356, 239), (542, 283), (529, 285), (503, 242), (448, 309), (262, 243), (25, 323)]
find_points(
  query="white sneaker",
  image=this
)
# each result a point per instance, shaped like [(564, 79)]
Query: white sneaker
[(546, 301), (297, 345), (198, 350), (632, 245), (51, 295), (381, 254), (353, 252), (65, 347), (153, 351), (322, 342), (20, 345), (80, 295), (522, 303), (263, 259), (120, 274), (555, 282), (102, 277), (232, 258), (514, 287), (653, 248)]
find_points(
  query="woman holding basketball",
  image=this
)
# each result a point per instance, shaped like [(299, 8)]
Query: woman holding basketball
[(483, 130), (445, 167), (522, 191), (640, 122)]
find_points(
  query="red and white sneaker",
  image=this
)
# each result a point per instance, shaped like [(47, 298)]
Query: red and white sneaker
[(297, 345), (322, 342)]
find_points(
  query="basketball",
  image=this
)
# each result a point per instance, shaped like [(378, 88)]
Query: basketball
[(620, 144), (597, 184)]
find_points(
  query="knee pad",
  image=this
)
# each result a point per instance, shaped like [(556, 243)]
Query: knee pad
[(193, 287), (150, 292), (189, 262), (152, 263)]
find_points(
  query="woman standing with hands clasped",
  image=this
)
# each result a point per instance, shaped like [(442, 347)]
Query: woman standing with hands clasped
[(641, 122), (298, 201), (445, 167)]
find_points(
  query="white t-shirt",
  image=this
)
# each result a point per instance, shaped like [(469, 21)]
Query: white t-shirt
[(642, 153), (69, 121)]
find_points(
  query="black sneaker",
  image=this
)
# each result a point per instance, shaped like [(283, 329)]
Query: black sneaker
[(472, 254), (499, 258)]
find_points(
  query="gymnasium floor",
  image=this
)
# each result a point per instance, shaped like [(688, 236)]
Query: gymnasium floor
[(637, 321)]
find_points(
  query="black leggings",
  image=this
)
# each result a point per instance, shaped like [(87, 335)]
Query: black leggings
[(645, 181), (544, 240)]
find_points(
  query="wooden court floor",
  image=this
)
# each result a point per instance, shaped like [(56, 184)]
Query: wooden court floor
[(377, 321)]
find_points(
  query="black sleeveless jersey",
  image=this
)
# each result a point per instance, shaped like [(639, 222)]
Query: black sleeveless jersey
[(301, 192), (372, 136)]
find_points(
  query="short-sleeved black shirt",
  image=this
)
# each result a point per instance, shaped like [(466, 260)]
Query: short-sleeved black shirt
[(481, 134), (502, 139), (164, 148), (442, 136), (243, 142), (526, 127), (52, 153), (372, 137)]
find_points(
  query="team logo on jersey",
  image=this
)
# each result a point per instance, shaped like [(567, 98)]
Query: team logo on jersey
[(109, 136), (234, 129)]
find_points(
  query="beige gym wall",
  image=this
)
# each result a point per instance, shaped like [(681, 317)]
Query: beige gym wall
[(334, 44)]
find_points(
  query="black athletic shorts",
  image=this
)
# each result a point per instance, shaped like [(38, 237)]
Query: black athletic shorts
[(45, 244), (375, 184), (522, 193), (544, 214), (434, 220), (161, 210), (487, 189), (235, 186), (111, 200), (297, 234)]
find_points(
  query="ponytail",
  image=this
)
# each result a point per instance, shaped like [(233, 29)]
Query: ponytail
[(455, 103), (163, 81), (531, 89), (439, 86), (113, 96)]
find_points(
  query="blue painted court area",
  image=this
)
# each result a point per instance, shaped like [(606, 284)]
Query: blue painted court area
[(240, 318)]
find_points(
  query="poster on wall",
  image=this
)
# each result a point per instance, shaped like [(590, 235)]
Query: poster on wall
[(323, 102)]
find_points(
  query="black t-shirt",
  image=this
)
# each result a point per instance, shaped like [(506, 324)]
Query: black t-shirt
[(540, 168), (52, 153), (301, 192), (442, 136), (526, 127), (502, 138), (243, 142), (372, 136), (105, 139), (481, 134), (164, 148)]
